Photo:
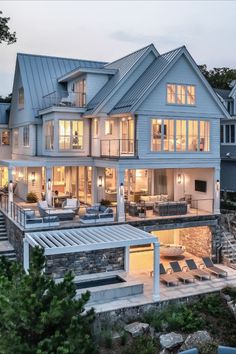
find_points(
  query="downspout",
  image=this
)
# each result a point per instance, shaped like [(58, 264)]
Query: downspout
[(36, 139), (90, 136)]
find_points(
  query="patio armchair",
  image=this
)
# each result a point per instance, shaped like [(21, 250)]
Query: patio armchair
[(182, 275), (210, 267), (97, 214), (71, 203), (198, 273)]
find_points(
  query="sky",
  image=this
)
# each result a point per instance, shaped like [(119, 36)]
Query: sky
[(107, 30)]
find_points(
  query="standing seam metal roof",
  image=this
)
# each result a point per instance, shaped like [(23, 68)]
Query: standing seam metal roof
[(40, 73), (123, 65), (147, 78)]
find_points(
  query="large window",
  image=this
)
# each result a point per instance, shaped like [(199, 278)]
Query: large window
[(49, 135), (21, 97), (180, 135), (109, 127), (5, 138), (16, 137), (228, 134), (26, 136), (181, 94), (71, 134)]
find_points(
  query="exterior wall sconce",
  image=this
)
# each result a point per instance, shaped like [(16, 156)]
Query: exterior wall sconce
[(217, 185), (32, 178), (121, 189), (11, 186), (100, 179), (49, 184), (179, 178)]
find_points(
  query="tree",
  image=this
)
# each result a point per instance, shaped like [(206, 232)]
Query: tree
[(5, 34), (6, 99), (219, 77), (39, 316)]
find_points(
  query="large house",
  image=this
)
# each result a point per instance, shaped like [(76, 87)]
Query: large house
[(141, 133), (228, 139)]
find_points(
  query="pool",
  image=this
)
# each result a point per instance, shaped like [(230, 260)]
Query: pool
[(99, 282)]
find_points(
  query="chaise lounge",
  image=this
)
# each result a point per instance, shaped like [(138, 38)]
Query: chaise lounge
[(198, 273), (210, 267), (167, 278), (183, 276)]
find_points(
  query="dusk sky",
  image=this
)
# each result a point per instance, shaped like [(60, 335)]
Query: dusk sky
[(105, 30)]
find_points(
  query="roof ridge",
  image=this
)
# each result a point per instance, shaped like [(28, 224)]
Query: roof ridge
[(64, 58), (173, 50), (127, 55)]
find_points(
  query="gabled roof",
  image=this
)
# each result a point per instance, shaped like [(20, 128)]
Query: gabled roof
[(222, 93), (39, 73), (4, 112), (123, 66), (149, 76)]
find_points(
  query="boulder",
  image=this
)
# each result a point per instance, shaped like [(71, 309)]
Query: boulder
[(136, 328), (197, 340), (171, 340)]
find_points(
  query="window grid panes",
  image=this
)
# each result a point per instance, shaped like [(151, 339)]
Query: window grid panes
[(49, 135), (21, 97), (71, 134), (16, 137), (26, 136), (181, 94), (180, 135), (227, 132)]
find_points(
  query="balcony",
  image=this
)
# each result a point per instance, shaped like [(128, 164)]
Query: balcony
[(64, 99), (118, 148)]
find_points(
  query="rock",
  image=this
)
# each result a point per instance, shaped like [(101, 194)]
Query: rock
[(136, 328), (165, 351), (196, 340), (152, 331), (225, 297), (115, 336), (171, 340)]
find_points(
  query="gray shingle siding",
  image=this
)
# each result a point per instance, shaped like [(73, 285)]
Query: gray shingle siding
[(4, 113)]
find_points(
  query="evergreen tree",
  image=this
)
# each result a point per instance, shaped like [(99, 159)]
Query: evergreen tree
[(5, 34), (40, 316)]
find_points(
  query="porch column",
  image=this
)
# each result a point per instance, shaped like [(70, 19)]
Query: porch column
[(156, 271), (216, 193), (126, 259), (26, 255), (10, 189), (48, 178), (120, 194), (94, 185)]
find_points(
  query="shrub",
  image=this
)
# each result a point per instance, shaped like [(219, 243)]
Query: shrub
[(32, 197), (142, 345), (124, 338)]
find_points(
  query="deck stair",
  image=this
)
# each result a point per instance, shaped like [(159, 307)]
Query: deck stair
[(6, 248), (229, 249)]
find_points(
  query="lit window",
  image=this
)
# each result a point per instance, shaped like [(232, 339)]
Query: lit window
[(71, 134), (181, 135), (192, 135), (95, 127), (168, 135), (171, 93), (181, 94), (21, 97), (204, 136), (156, 134), (26, 133), (16, 137), (5, 137), (49, 135), (109, 127)]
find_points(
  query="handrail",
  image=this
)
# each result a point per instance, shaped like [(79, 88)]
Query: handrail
[(229, 243)]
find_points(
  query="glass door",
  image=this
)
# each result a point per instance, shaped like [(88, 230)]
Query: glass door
[(127, 136)]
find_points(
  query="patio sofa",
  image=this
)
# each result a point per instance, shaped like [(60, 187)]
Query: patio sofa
[(170, 208), (71, 203), (62, 214), (97, 214), (33, 221), (150, 200)]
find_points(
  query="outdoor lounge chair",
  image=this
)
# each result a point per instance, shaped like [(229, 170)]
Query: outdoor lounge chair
[(62, 214), (71, 203), (210, 267), (167, 278), (198, 273), (183, 276)]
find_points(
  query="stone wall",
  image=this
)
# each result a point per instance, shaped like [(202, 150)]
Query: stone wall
[(197, 240), (85, 262), (15, 236)]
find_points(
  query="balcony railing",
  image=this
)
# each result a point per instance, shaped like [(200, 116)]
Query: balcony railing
[(118, 148), (64, 99)]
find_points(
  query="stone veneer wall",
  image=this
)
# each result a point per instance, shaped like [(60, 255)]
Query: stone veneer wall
[(85, 262), (197, 240), (15, 237)]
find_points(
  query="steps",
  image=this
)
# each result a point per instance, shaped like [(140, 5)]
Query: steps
[(229, 249), (6, 249)]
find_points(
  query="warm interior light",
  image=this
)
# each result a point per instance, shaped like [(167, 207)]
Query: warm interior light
[(58, 169), (32, 178)]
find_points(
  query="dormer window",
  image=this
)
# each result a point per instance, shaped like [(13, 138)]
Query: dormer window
[(81, 92), (21, 98), (181, 94)]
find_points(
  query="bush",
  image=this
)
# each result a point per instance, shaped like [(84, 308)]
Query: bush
[(142, 345), (32, 197)]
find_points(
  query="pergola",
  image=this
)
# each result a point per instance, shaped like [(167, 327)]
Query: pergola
[(94, 238)]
